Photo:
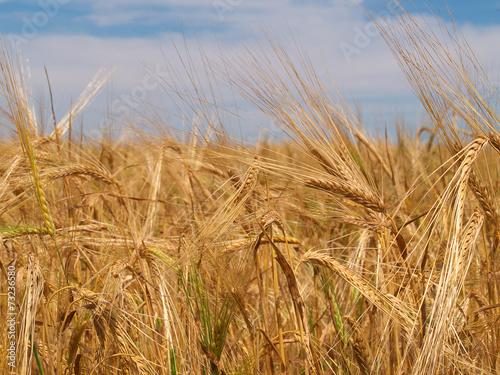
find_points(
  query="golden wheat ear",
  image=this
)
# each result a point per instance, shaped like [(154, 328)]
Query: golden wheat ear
[(21, 115), (85, 98)]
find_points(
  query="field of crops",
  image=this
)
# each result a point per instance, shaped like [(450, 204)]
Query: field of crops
[(331, 252)]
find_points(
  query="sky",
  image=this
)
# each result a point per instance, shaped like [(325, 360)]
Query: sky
[(138, 40)]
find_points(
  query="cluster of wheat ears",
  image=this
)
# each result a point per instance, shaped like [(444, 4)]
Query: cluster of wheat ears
[(329, 253)]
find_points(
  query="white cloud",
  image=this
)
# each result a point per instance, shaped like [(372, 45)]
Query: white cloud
[(371, 73)]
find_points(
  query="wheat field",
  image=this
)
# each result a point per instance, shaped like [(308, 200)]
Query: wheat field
[(330, 252)]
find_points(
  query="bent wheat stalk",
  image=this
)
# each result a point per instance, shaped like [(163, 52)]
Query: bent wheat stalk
[(397, 310)]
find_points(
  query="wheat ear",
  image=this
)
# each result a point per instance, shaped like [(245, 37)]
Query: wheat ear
[(483, 195), (84, 170), (470, 156), (389, 304), (250, 181), (362, 197)]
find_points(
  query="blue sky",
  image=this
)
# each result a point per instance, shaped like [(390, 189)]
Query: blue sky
[(127, 19), (74, 38)]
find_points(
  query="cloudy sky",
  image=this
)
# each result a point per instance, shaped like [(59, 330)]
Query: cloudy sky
[(73, 39)]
